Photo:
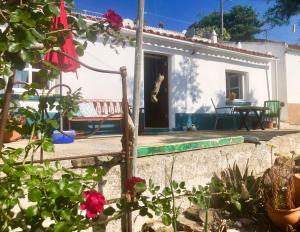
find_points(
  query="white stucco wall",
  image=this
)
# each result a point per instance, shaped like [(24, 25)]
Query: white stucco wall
[(293, 76), (193, 79), (278, 50), (100, 85), (196, 79)]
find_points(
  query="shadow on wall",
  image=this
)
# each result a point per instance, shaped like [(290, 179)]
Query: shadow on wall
[(185, 85)]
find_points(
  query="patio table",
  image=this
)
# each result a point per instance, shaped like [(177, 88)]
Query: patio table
[(244, 111)]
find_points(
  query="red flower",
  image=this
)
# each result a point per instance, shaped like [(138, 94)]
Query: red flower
[(132, 181), (113, 19), (93, 204)]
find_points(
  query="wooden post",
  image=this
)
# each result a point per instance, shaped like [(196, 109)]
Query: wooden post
[(5, 107), (126, 170), (137, 79)]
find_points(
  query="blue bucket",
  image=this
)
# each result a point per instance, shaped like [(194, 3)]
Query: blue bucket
[(59, 138)]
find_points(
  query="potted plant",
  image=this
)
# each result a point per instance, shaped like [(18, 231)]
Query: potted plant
[(232, 96), (11, 133), (281, 205)]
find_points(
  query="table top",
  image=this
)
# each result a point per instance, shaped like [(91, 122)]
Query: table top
[(250, 108)]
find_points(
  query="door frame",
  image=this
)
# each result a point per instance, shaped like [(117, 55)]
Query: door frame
[(170, 68)]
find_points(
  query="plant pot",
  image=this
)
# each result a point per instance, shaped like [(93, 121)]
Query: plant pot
[(268, 124), (11, 136), (297, 188), (283, 217)]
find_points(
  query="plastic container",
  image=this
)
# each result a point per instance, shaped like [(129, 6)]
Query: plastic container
[(59, 138)]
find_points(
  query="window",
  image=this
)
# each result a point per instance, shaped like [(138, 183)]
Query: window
[(30, 75), (234, 84)]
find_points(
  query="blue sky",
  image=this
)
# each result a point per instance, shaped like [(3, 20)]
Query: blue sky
[(179, 14)]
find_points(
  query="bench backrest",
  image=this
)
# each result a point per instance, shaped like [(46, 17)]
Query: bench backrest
[(105, 107)]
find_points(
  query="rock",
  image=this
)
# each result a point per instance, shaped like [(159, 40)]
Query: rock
[(232, 230), (211, 215), (192, 213), (238, 224), (246, 221), (188, 225), (156, 226)]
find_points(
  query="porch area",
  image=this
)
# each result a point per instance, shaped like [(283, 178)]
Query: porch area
[(165, 143)]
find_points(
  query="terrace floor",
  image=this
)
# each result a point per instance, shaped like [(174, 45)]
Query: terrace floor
[(177, 140)]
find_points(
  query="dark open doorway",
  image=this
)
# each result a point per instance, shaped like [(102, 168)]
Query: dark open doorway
[(156, 112)]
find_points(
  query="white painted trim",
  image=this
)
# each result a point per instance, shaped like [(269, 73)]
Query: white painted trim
[(194, 45)]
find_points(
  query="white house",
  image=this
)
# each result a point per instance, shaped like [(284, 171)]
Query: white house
[(285, 72), (196, 70)]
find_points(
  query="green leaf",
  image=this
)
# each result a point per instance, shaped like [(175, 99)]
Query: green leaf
[(174, 184), (3, 46), (80, 50), (2, 83), (45, 214), (238, 205), (53, 9), (75, 188), (143, 211), (182, 185), (140, 187), (66, 214), (81, 24), (48, 146), (166, 219), (109, 211), (32, 211), (53, 123), (61, 227), (36, 34), (91, 36), (27, 56), (14, 47), (34, 195)]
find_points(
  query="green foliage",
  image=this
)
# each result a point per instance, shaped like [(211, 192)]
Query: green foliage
[(42, 197), (162, 202), (202, 198), (281, 11), (241, 193), (241, 23)]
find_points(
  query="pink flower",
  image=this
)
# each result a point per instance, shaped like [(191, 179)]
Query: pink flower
[(132, 181), (93, 204), (113, 19)]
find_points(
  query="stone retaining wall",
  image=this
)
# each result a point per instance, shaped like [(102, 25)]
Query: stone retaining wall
[(197, 167)]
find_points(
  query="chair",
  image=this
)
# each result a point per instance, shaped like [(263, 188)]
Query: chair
[(273, 111), (224, 112)]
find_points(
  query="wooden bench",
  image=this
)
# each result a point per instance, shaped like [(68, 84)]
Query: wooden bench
[(105, 110)]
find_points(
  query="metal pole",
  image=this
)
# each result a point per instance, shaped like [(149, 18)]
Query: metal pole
[(222, 18), (137, 80)]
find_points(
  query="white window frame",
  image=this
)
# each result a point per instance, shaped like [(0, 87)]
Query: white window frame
[(30, 70), (242, 79)]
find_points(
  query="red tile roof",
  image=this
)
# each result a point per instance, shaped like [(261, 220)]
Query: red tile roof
[(294, 46), (165, 33), (195, 39)]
